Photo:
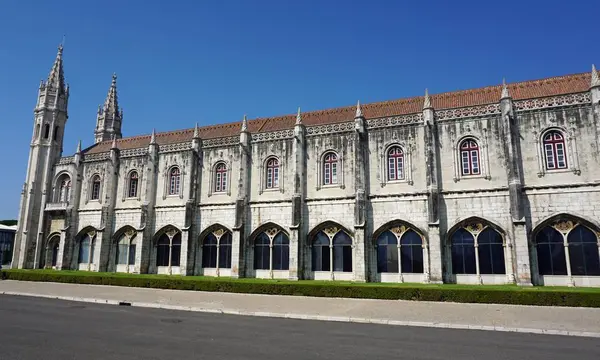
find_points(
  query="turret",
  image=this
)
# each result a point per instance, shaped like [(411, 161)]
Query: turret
[(109, 116)]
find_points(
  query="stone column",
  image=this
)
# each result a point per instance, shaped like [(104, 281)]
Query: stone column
[(595, 97), (238, 241), (521, 252), (297, 227), (146, 228), (361, 238), (183, 256), (436, 247)]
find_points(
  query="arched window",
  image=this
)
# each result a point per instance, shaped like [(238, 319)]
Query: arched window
[(86, 249), (46, 131), (395, 162), (272, 173), (221, 177), (216, 250), (95, 195), (330, 170), (168, 249), (469, 157), (332, 251), (272, 250), (55, 135), (126, 249), (37, 131), (474, 244), (133, 184), (554, 151), (64, 192), (174, 181), (408, 257), (582, 258), (54, 249)]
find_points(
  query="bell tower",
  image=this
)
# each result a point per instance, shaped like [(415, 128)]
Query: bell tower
[(49, 120)]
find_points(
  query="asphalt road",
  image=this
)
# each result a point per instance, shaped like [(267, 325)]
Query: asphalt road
[(32, 328)]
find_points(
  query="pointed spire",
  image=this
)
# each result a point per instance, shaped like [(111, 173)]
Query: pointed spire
[(505, 93), (245, 124), (153, 137), (56, 78), (299, 117), (359, 112), (427, 100), (111, 104), (78, 151), (595, 77), (114, 142), (196, 132)]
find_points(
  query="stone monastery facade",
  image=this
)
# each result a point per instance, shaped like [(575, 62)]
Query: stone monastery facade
[(493, 185)]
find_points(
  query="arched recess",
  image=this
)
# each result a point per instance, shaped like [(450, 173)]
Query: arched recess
[(215, 245), (85, 248), (477, 246), (566, 245), (167, 247), (124, 247), (401, 248), (62, 187), (49, 256), (331, 248), (270, 244)]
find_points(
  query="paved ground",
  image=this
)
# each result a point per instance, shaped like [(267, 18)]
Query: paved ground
[(557, 320), (33, 328)]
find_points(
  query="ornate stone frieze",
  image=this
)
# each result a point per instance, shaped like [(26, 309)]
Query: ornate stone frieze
[(552, 102), (467, 112), (134, 152), (330, 129), (273, 135), (175, 147), (225, 141), (395, 121), (66, 160), (97, 157)]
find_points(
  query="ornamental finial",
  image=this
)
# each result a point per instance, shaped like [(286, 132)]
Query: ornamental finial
[(196, 132), (245, 124), (359, 112), (78, 147), (505, 93), (153, 137), (298, 117), (426, 100), (114, 142), (595, 77)]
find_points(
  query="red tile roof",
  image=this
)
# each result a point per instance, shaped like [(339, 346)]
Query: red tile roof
[(487, 95)]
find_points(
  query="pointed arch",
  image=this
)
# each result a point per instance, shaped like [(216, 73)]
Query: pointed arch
[(477, 247), (167, 241), (211, 228), (562, 216), (329, 224), (271, 246), (400, 248), (86, 244), (169, 228), (332, 247), (398, 223), (125, 240), (215, 243), (266, 226)]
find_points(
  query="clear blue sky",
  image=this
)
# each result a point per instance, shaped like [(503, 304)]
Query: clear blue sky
[(181, 62)]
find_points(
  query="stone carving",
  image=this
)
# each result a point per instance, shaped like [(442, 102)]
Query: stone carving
[(475, 228), (330, 129), (331, 231), (564, 226), (399, 230), (274, 135), (134, 152), (554, 101), (91, 234), (96, 157), (129, 233), (272, 232), (218, 233), (171, 233), (395, 121), (66, 160), (225, 141), (472, 111), (175, 147)]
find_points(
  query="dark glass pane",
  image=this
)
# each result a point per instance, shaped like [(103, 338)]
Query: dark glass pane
[(281, 256), (281, 239), (225, 255), (551, 252), (262, 239), (175, 254), (489, 236), (321, 239), (225, 239), (583, 252), (54, 255), (210, 239), (411, 238), (412, 258), (463, 259), (132, 254), (163, 240), (209, 256), (341, 238), (162, 255), (387, 258), (347, 258), (122, 248), (320, 258), (176, 239), (462, 236), (387, 238), (491, 258), (261, 256)]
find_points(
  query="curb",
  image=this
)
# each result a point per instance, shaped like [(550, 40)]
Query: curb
[(349, 319)]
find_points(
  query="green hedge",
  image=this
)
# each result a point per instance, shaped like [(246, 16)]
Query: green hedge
[(449, 293)]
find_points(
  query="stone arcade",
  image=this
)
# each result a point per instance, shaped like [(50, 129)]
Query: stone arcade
[(493, 185)]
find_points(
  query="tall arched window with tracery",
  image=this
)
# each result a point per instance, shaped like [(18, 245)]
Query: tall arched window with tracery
[(133, 184), (555, 150), (216, 249), (553, 241), (168, 248), (395, 162), (332, 250), (469, 157), (87, 244), (95, 195), (174, 181), (126, 248), (477, 248), (406, 258), (220, 177), (272, 250), (272, 173), (330, 168)]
